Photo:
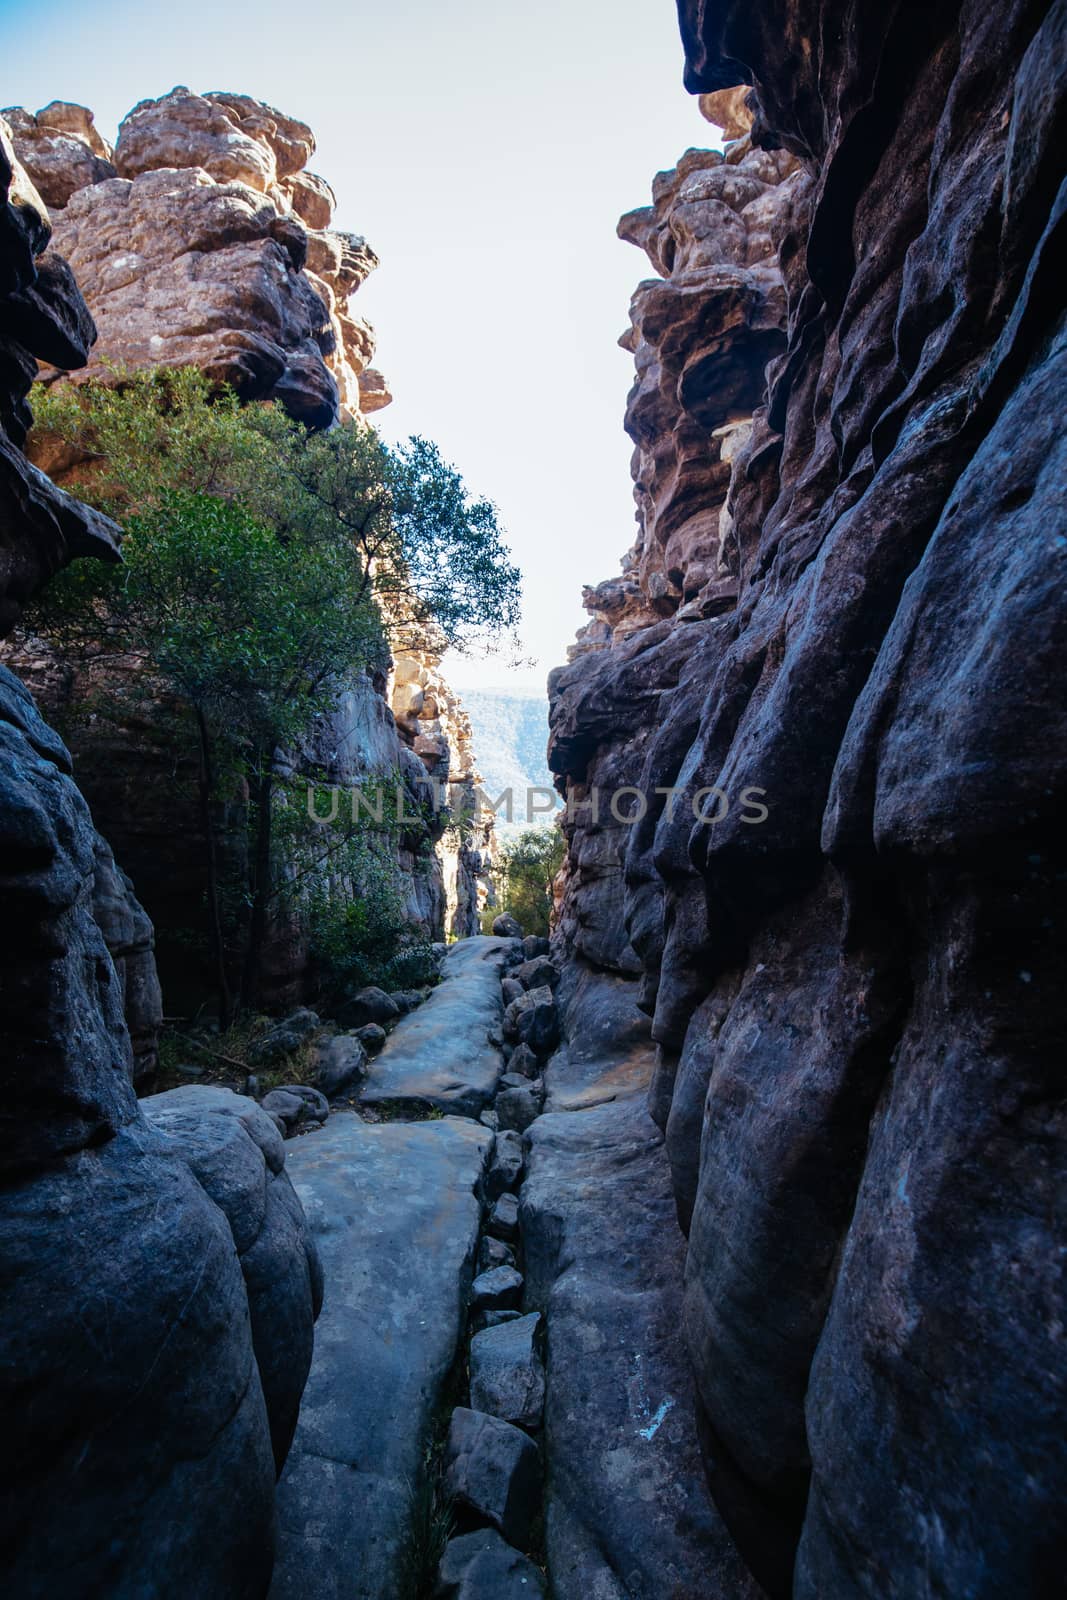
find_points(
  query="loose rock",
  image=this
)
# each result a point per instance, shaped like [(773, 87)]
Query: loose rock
[(499, 1289), (481, 1566), (517, 1108), (504, 1218), (524, 1062), (536, 974), (341, 1061), (296, 1105), (505, 1169), (492, 1470), (505, 927), (371, 1036), (494, 1253), (507, 1377), (533, 1020), (369, 1004)]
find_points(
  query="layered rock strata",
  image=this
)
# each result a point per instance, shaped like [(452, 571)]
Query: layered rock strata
[(852, 979), (202, 240), (158, 1284)]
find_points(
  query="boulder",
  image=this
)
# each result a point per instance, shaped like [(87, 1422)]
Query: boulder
[(341, 1062), (492, 1472), (498, 1289), (511, 989), (505, 927), (481, 1566), (505, 1168), (507, 1377), (369, 1004), (534, 945), (518, 1107), (130, 939), (503, 1221), (235, 1154)]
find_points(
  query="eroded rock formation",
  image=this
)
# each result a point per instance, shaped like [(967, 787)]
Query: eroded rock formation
[(433, 725), (201, 240), (855, 608), (158, 1282)]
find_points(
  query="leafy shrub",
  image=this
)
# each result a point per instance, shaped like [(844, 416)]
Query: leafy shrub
[(525, 872)]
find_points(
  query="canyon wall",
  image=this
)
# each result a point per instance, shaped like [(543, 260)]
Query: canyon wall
[(201, 239), (158, 1280), (839, 636)]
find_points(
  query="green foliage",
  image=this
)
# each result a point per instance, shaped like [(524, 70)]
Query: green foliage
[(432, 555), (264, 566), (361, 931), (528, 864)]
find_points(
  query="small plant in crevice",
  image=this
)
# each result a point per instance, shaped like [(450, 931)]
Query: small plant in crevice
[(430, 1526)]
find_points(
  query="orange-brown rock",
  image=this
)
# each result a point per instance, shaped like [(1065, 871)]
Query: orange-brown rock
[(202, 240)]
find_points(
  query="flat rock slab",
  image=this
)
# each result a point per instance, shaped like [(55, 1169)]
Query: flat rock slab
[(446, 1055), (393, 1211), (628, 1514)]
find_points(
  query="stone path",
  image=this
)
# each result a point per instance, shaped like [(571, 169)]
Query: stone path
[(446, 1055), (575, 1315), (627, 1509), (393, 1210)]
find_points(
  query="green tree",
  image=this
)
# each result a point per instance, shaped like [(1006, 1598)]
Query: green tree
[(528, 864), (263, 566)]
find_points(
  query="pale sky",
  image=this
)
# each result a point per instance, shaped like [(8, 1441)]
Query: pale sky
[(486, 150)]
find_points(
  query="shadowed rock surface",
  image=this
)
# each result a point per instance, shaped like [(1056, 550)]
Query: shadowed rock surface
[(157, 1282), (628, 1514), (393, 1210), (848, 414), (446, 1055)]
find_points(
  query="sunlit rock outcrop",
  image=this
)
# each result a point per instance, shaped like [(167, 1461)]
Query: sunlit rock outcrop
[(201, 240), (207, 243), (852, 978)]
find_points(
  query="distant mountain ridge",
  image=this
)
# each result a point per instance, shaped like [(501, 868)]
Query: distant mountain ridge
[(510, 730)]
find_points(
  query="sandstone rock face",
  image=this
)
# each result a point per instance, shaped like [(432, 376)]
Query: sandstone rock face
[(42, 316), (202, 241), (159, 1291), (159, 1285), (432, 723), (206, 242), (130, 939), (840, 621)]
